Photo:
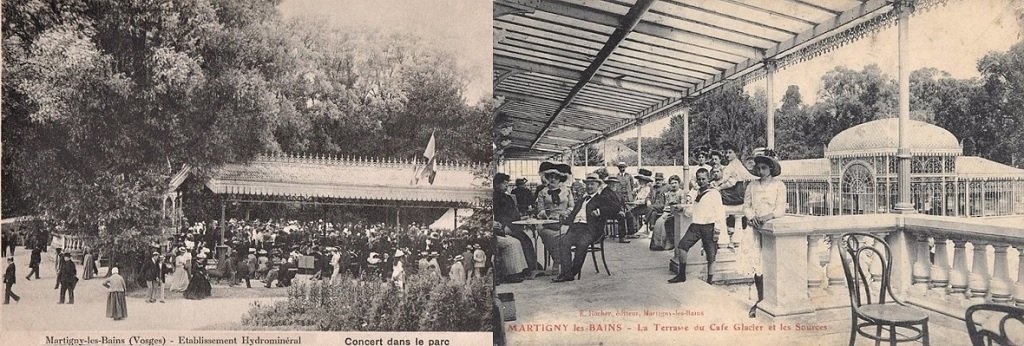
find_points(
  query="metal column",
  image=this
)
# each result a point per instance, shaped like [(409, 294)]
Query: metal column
[(903, 205)]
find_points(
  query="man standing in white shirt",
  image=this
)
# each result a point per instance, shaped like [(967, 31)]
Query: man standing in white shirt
[(706, 209)]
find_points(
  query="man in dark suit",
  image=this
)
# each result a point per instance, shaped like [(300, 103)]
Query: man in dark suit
[(611, 192), (9, 279), (67, 278), (34, 261), (151, 269), (585, 225)]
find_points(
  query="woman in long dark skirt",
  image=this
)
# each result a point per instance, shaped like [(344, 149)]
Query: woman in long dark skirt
[(117, 306), (89, 265), (199, 285)]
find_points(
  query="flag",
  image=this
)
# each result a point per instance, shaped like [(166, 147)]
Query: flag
[(430, 169)]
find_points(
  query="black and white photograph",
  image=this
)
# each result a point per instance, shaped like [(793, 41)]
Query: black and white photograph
[(235, 165), (783, 172)]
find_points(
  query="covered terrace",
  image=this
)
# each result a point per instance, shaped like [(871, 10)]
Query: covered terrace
[(569, 74)]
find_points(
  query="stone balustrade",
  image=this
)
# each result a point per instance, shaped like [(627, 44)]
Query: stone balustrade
[(940, 263)]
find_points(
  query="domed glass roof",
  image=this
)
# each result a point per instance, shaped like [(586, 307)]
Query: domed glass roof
[(881, 137)]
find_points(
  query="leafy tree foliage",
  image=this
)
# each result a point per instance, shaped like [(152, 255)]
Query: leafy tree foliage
[(103, 100), (986, 114)]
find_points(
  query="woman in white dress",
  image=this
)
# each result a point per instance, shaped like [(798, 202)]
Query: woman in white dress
[(179, 279), (765, 199)]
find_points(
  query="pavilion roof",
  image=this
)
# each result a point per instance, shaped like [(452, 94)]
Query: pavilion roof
[(572, 72), (364, 179)]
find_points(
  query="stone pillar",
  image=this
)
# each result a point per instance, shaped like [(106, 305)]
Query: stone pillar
[(815, 273), (958, 277), (922, 266), (785, 274), (904, 205), (902, 247), (1000, 286), (1018, 290), (977, 282), (876, 264), (940, 269), (834, 269)]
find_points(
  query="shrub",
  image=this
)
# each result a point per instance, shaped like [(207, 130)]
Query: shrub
[(428, 303)]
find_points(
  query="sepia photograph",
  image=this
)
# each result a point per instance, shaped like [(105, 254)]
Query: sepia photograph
[(791, 172), (185, 169)]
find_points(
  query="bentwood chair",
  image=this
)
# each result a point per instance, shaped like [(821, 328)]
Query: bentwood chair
[(872, 309), (981, 337), (593, 249)]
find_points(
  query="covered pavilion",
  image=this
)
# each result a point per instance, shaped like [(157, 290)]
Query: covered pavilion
[(334, 181)]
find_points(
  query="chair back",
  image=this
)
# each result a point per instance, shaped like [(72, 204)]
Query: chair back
[(981, 337), (857, 255)]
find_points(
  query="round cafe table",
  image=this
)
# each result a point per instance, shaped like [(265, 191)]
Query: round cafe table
[(534, 222)]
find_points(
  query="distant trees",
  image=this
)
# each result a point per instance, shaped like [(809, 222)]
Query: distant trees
[(986, 114)]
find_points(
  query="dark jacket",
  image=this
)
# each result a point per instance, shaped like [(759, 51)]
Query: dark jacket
[(36, 258), (9, 275), (603, 202), (505, 210), (150, 270), (68, 273), (524, 198)]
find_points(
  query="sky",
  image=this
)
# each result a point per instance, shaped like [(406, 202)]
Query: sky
[(462, 27), (950, 38)]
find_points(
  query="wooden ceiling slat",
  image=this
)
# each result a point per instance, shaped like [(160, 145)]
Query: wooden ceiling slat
[(615, 64), (704, 9), (844, 18), (668, 48), (613, 20), (612, 73), (604, 90), (556, 71), (581, 108), (627, 55)]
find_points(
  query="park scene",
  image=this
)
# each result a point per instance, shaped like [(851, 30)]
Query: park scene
[(246, 165), (763, 172)]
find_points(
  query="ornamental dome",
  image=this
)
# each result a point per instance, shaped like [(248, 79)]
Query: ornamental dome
[(881, 137)]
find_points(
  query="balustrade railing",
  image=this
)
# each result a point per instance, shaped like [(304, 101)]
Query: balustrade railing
[(940, 263)]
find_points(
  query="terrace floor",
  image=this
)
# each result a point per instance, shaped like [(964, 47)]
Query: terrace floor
[(635, 306)]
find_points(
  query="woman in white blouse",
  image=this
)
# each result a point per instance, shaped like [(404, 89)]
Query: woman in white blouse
[(765, 199)]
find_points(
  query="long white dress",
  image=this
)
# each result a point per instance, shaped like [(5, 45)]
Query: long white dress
[(179, 279)]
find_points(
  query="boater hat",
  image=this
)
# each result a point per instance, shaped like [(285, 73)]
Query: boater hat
[(621, 164), (592, 178)]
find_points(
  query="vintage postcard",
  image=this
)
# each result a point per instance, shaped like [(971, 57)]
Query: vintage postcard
[(724, 172), (239, 172)]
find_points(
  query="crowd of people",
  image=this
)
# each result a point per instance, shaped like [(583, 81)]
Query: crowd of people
[(274, 252), (582, 212)]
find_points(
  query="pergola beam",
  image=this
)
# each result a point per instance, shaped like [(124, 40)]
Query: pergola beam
[(628, 24), (547, 101), (818, 30), (612, 20), (535, 67)]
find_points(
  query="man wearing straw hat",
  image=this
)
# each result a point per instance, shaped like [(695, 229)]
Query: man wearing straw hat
[(584, 225)]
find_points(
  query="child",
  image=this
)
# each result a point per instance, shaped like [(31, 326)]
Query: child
[(479, 261)]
